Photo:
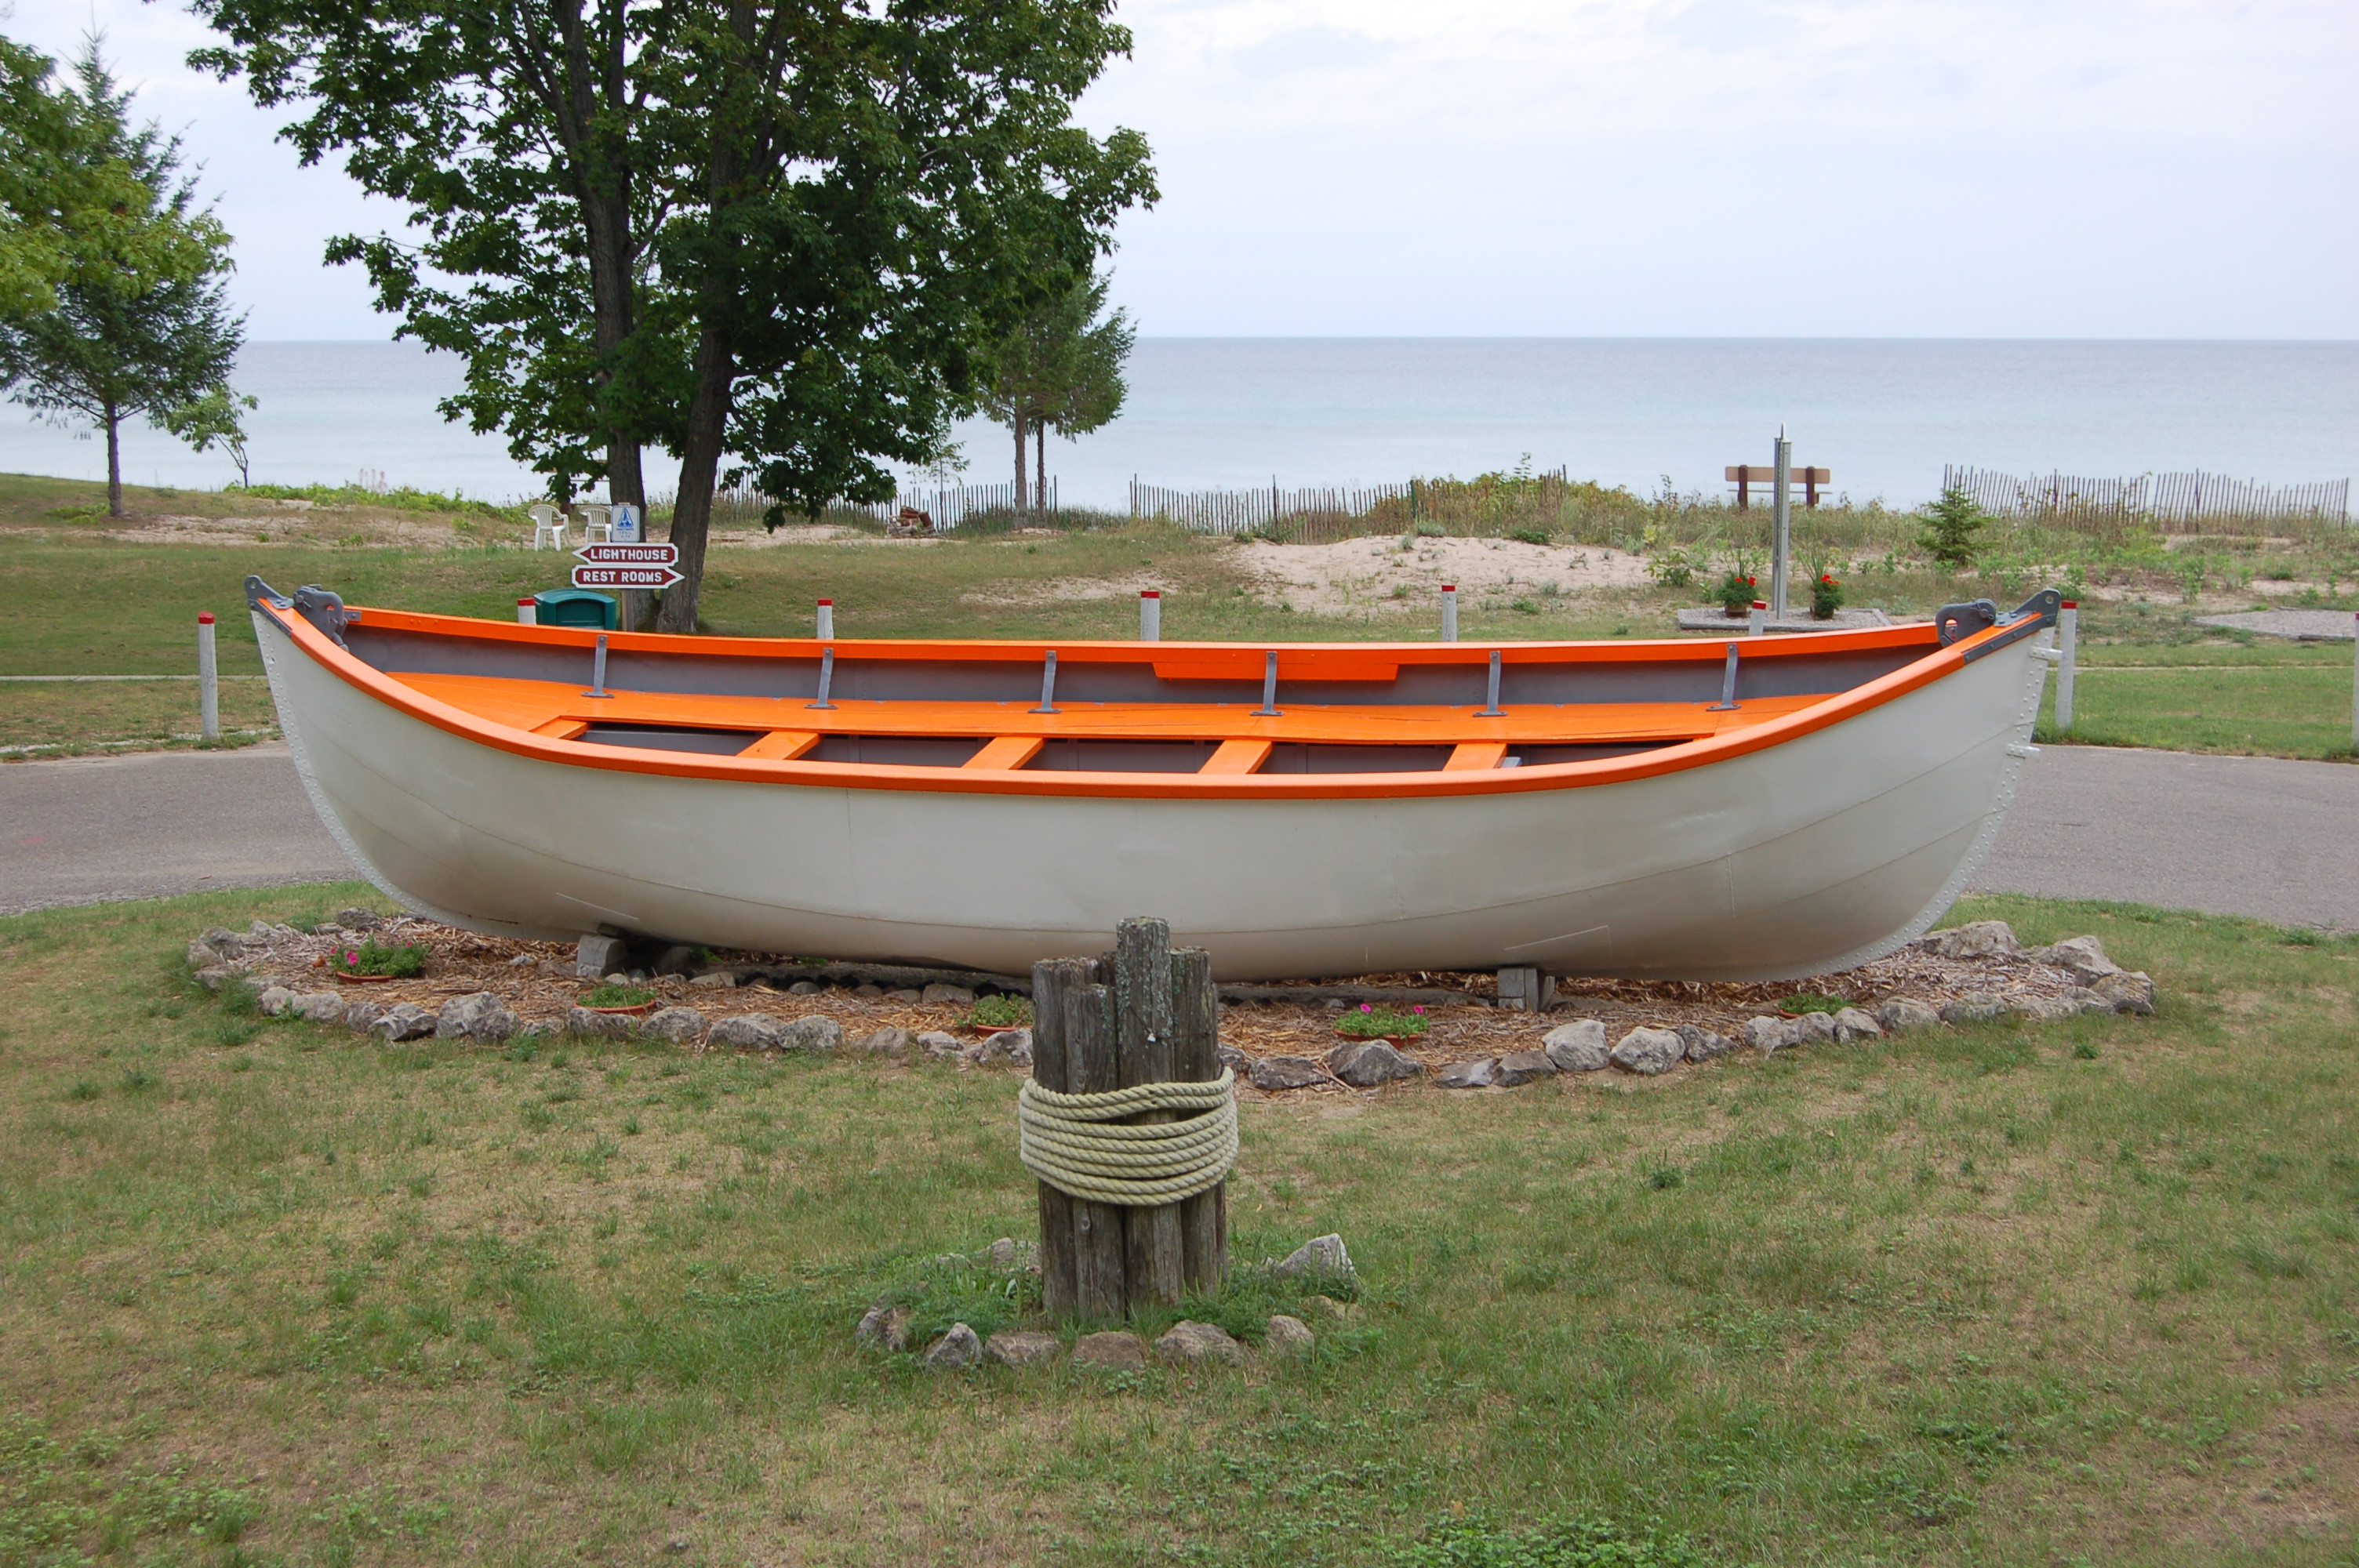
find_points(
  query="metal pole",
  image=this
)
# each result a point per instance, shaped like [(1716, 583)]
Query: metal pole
[(208, 679), (2354, 684), (2068, 639), (1450, 612), (1782, 508), (598, 671), (1757, 620), (825, 630), (1150, 615)]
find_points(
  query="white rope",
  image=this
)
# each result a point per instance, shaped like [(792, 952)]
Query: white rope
[(1073, 1141)]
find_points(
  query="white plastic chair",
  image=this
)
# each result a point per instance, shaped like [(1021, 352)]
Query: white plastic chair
[(597, 524), (548, 527)]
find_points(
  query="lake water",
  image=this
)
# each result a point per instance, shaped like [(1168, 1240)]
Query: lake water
[(1884, 415)]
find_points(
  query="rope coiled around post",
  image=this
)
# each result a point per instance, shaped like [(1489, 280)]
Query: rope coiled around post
[(1073, 1141)]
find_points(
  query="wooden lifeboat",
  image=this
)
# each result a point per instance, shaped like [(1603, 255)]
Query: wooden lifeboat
[(1745, 808)]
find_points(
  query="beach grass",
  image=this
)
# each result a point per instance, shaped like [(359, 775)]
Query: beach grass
[(2080, 1292)]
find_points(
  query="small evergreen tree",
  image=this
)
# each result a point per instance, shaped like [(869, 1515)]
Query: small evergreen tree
[(1952, 525), (1060, 368), (127, 311)]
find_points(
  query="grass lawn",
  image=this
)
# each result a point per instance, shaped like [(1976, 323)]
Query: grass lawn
[(2087, 1292)]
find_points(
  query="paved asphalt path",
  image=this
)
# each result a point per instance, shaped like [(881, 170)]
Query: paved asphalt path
[(146, 824), (2252, 835)]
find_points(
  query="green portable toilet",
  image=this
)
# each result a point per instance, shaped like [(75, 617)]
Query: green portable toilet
[(576, 607)]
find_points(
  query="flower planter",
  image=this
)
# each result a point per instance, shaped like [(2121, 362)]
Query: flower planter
[(351, 980), (642, 1007), (1394, 1041)]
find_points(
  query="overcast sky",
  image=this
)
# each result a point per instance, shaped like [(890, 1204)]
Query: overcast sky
[(2144, 168)]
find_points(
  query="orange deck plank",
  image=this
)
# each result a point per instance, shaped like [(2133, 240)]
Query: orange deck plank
[(1006, 751), (1473, 756), (782, 745), (1237, 757), (528, 705)]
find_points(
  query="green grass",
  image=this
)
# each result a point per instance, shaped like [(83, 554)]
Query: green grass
[(2084, 1292)]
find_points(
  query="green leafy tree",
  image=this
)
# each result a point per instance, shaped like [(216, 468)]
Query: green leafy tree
[(769, 234), (113, 279), (1062, 368), (1952, 530)]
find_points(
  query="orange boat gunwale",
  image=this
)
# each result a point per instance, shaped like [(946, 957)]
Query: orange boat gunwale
[(1296, 661)]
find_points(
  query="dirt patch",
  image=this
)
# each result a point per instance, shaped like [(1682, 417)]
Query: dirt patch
[(1364, 576), (1064, 590)]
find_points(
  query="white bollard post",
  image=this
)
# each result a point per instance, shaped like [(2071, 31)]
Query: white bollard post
[(826, 632), (1150, 615), (527, 612), (1757, 620), (208, 679), (2354, 684), (1450, 612), (1782, 513), (2068, 646)]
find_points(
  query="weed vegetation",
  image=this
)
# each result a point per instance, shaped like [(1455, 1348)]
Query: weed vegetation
[(2084, 1292)]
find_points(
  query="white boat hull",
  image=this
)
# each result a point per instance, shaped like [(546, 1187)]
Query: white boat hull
[(1801, 857)]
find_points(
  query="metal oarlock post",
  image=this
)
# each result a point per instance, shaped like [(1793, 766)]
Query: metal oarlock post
[(2068, 649), (1757, 620), (1150, 615), (527, 612), (1450, 612), (598, 671), (208, 679), (826, 628), (1782, 515)]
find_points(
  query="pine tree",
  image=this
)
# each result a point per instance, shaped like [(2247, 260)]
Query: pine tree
[(1951, 527), (127, 313)]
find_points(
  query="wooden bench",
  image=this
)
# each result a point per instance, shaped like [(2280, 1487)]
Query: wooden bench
[(1744, 476)]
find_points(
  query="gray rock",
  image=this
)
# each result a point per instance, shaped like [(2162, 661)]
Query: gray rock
[(2087, 1001), (942, 1046), (2131, 992), (1275, 1072), (360, 1014), (959, 1349), (1006, 1048), (1857, 1023), (403, 1020), (1975, 1006), (2040, 1009), (680, 1025), (222, 940), (1009, 1256), (276, 1001), (596, 957), (359, 919), (1329, 1308), (1364, 1064), (805, 987), (2084, 957), (940, 995), (908, 997), (479, 1016), (1190, 1344), (676, 960), (747, 1031), (868, 992), (1519, 1067), (202, 957), (1478, 1074), (888, 1042), (216, 977), (1650, 1051), (884, 1327), (262, 933), (1702, 1045), (1982, 939), (591, 1024), (812, 1034), (1112, 1348), (1577, 1047), (1023, 1347), (715, 979), (1901, 1013), (1765, 1033), (1814, 1026), (318, 1007), (1288, 1337), (1323, 1258)]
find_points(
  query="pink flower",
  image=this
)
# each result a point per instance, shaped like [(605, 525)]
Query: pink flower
[(1418, 1010), (1365, 1008), (351, 957)]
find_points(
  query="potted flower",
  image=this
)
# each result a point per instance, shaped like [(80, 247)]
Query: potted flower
[(997, 1014), (372, 962), (1826, 596), (612, 996), (1735, 594), (1372, 1023)]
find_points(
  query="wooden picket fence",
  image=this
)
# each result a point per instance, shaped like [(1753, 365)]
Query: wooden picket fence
[(2166, 497)]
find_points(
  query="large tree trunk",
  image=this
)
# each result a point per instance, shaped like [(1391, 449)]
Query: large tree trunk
[(699, 462), (114, 461), (1040, 466), (1017, 419)]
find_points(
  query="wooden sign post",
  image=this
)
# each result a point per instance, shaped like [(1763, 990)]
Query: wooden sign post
[(1141, 1014)]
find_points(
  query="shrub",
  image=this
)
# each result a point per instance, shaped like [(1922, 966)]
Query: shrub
[(609, 994), (1735, 594), (1374, 1022), (1584, 1541), (1952, 525), (404, 959), (1000, 1013), (1826, 596)]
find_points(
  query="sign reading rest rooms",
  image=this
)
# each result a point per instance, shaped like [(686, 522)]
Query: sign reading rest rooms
[(628, 566)]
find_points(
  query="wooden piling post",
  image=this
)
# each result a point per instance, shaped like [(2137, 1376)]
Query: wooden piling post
[(1141, 1014)]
